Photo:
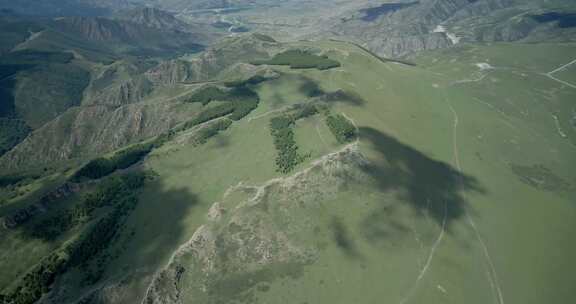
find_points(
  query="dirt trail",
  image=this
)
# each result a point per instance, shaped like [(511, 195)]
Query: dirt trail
[(429, 259), (491, 271), (551, 74)]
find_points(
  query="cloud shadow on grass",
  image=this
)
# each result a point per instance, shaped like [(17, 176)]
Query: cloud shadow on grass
[(433, 189), (312, 89)]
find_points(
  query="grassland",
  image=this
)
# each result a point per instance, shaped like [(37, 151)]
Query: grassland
[(439, 201)]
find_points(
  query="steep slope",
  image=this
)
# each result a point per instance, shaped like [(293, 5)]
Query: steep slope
[(155, 18), (128, 102), (128, 37), (51, 65), (404, 28), (56, 8), (399, 29)]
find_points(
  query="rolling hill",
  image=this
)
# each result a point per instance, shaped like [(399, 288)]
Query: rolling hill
[(376, 152)]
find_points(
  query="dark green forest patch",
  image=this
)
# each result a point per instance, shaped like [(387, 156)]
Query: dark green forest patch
[(239, 102), (119, 194), (299, 59), (341, 128), (281, 128), (100, 167), (12, 132)]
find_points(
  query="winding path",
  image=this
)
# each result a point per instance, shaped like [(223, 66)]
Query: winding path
[(551, 74), (492, 274), (429, 259)]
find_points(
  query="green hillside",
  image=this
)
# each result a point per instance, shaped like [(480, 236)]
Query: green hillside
[(142, 161), (409, 175)]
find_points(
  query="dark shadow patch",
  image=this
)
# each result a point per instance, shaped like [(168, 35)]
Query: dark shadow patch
[(564, 20), (343, 239), (344, 97), (433, 188), (221, 141), (153, 230), (373, 13), (312, 89), (384, 224), (12, 132)]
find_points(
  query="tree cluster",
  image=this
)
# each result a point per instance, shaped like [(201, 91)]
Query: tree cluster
[(123, 159), (208, 94), (114, 191), (341, 128), (240, 102), (12, 132), (118, 193), (299, 59), (281, 128)]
